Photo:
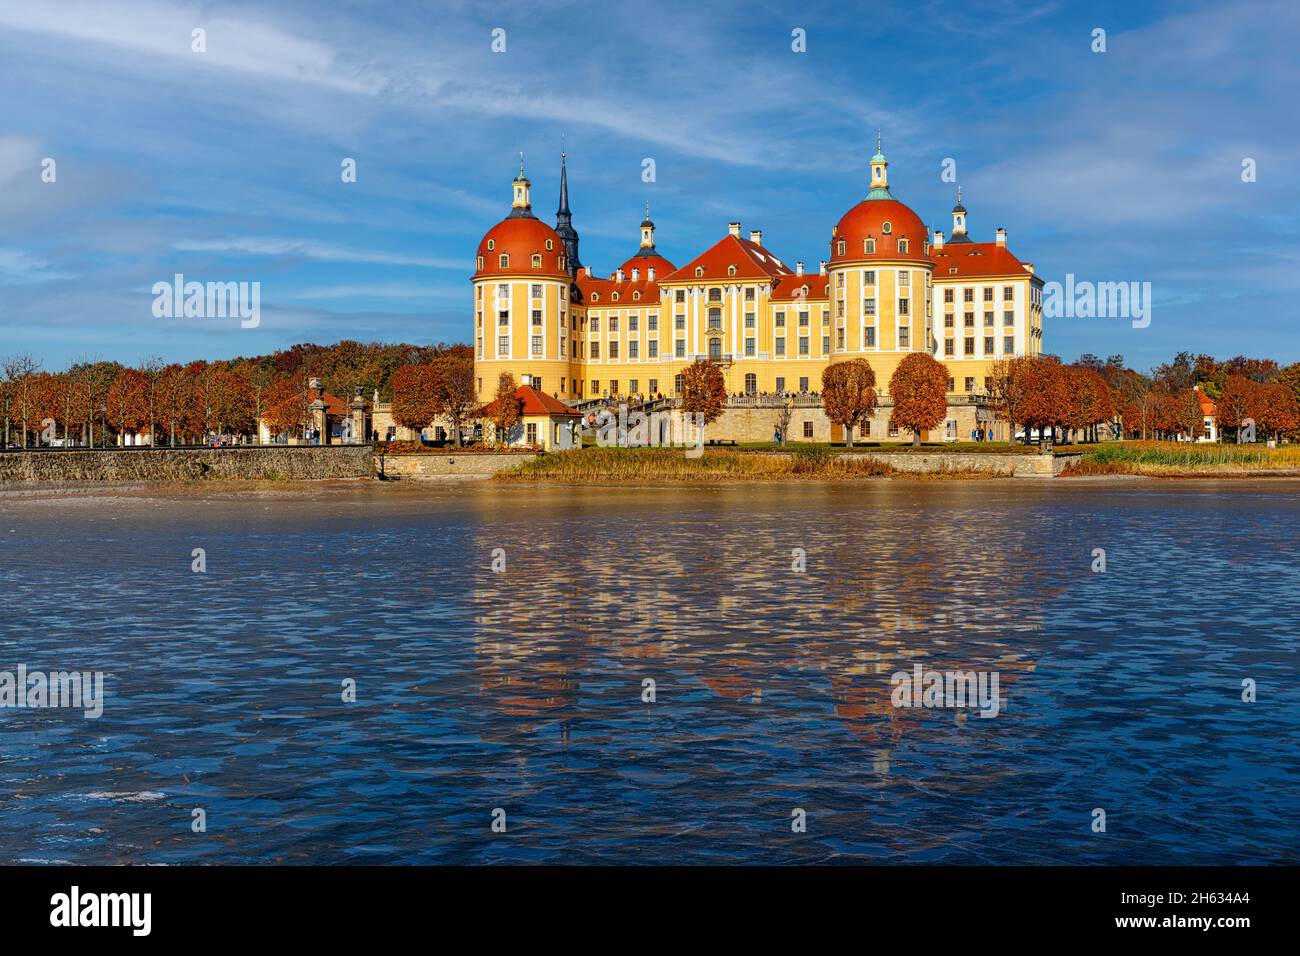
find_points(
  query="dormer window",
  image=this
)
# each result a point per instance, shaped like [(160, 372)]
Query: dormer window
[(731, 270), (868, 246), (902, 245), (550, 244), (595, 297), (614, 296), (839, 248), (537, 260), (699, 271), (504, 261), (564, 263), (480, 263), (636, 296), (887, 228), (492, 244)]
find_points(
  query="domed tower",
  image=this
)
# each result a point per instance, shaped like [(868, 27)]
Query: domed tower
[(880, 273), (647, 262), (521, 305)]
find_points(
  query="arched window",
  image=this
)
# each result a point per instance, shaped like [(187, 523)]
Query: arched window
[(504, 261), (480, 263), (636, 296), (887, 228), (614, 296), (595, 297), (731, 270), (839, 248), (549, 245), (492, 244), (699, 271)]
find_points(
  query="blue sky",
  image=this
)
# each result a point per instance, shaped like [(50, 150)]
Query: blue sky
[(225, 165)]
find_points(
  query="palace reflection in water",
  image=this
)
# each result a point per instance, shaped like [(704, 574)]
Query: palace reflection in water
[(524, 689)]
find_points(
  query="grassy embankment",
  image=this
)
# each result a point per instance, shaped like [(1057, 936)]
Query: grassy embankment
[(1178, 460), (716, 464)]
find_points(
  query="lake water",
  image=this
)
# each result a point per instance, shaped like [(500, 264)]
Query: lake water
[(522, 690)]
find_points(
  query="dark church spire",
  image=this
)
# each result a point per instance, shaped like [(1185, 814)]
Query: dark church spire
[(564, 219)]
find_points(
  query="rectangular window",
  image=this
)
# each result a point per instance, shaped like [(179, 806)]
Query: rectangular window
[(595, 387), (868, 306), (1008, 293), (1008, 318), (654, 349), (654, 386), (870, 336), (780, 347), (537, 316), (947, 320), (803, 384), (613, 386), (970, 320), (681, 295), (503, 318), (750, 321), (904, 307), (947, 295), (803, 320), (537, 345), (869, 277), (536, 291), (680, 350), (903, 278), (780, 319), (531, 433), (749, 293), (780, 383), (970, 346), (679, 322), (826, 344), (652, 322), (634, 386), (503, 291), (595, 323), (968, 295), (839, 338), (595, 350), (632, 348), (902, 336), (803, 345), (947, 347), (613, 350), (503, 345), (988, 345), (988, 293), (632, 323), (807, 429), (613, 323), (749, 348), (970, 383), (1008, 344)]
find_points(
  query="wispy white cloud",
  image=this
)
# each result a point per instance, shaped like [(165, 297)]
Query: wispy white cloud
[(309, 249)]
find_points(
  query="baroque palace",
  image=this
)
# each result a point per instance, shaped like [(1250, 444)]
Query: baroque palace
[(887, 288)]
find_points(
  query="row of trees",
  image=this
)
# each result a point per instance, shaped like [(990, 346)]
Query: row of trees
[(95, 402)]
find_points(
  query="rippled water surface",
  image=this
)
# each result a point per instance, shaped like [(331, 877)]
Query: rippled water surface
[(522, 690)]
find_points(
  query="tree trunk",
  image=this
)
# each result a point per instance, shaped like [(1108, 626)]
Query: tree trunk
[(916, 439), (848, 436)]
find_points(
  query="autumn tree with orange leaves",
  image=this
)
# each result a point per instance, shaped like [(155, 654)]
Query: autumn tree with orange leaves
[(414, 401), (704, 391), (919, 389), (849, 394)]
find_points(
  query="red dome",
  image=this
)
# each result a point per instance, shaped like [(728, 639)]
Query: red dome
[(520, 238), (867, 220), (654, 261)]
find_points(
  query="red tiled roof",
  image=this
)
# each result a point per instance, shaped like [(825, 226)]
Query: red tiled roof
[(658, 263), (606, 288), (535, 403), (973, 259), (333, 404), (751, 260), (786, 287), (1207, 403)]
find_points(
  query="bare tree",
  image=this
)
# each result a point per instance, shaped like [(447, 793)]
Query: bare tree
[(19, 370)]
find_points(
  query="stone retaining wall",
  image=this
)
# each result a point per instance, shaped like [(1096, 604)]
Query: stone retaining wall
[(296, 462), (1018, 466), (428, 465)]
